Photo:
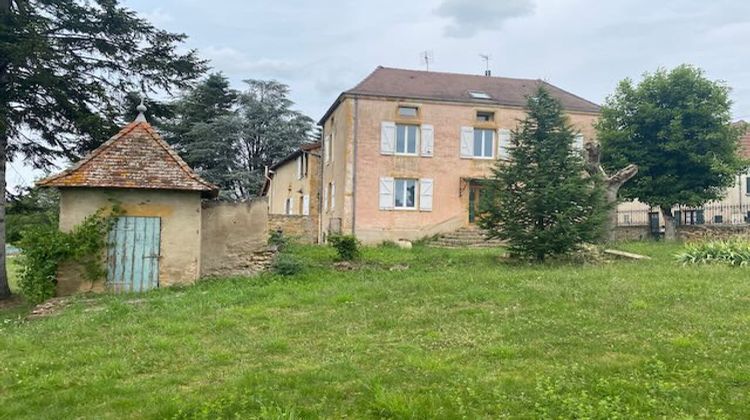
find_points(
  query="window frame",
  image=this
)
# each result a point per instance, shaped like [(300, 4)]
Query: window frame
[(484, 144), (410, 107), (417, 139), (489, 114), (403, 194), (481, 95)]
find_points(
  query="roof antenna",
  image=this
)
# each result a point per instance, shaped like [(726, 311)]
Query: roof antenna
[(426, 57), (486, 58), (141, 108)]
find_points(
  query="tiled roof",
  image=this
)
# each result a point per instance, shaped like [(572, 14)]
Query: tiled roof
[(136, 157), (457, 87)]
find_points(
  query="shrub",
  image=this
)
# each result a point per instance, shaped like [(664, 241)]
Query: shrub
[(286, 265), (733, 252), (278, 239), (45, 247), (347, 246)]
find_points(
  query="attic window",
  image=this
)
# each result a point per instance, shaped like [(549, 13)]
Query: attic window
[(478, 94), (485, 116), (407, 111)]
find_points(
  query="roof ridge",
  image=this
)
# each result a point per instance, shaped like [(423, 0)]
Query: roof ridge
[(450, 73)]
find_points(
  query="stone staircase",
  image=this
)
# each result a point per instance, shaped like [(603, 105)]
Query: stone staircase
[(465, 237)]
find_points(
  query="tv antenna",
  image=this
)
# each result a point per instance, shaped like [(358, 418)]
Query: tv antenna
[(426, 57), (486, 58)]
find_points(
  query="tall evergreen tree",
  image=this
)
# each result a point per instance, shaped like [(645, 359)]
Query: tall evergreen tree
[(64, 67), (676, 126), (542, 201)]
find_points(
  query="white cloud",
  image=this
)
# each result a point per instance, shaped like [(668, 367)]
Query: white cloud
[(472, 16), (158, 17), (233, 61)]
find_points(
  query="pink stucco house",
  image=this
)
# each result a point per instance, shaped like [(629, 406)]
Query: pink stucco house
[(403, 149)]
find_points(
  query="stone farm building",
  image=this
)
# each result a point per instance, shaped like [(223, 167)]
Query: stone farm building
[(168, 234)]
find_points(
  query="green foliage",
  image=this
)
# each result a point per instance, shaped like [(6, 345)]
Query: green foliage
[(735, 252), (278, 239), (286, 264), (45, 247), (71, 62), (33, 207), (676, 126), (346, 246), (229, 137), (541, 201)]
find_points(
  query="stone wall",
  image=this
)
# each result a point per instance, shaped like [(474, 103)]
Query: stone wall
[(303, 229), (235, 237), (685, 232)]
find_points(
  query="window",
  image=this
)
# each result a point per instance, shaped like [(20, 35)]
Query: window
[(485, 116), (478, 94), (747, 185), (718, 219), (327, 146), (406, 139), (331, 199), (288, 206), (302, 166), (483, 143), (404, 193), (407, 111)]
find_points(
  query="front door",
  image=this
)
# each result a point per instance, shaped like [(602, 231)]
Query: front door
[(474, 197), (133, 254)]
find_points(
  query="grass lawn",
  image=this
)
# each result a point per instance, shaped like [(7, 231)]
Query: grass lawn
[(457, 334)]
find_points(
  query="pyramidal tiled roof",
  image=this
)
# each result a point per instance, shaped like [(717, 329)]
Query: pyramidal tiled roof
[(136, 157)]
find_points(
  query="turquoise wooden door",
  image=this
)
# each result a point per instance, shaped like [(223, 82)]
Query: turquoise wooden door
[(133, 254)]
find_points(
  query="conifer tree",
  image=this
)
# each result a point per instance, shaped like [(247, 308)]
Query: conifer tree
[(542, 201)]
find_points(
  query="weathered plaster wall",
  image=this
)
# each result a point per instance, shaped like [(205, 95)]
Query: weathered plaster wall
[(338, 170), (446, 167), (180, 214), (285, 184), (235, 237)]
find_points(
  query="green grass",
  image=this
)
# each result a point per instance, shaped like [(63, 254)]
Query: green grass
[(458, 334)]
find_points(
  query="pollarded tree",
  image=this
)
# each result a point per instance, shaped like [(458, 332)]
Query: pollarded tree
[(542, 201), (676, 126), (64, 67)]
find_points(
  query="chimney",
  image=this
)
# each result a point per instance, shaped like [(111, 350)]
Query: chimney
[(488, 72)]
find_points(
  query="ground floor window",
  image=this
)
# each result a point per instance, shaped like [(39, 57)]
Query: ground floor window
[(405, 190)]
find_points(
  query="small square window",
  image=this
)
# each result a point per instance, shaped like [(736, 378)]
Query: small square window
[(485, 116), (718, 219), (478, 94), (407, 111)]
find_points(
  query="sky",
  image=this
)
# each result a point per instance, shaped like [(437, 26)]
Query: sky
[(320, 48)]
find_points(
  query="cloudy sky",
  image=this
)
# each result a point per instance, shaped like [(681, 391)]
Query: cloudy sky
[(322, 47)]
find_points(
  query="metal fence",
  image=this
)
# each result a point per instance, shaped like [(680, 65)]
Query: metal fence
[(715, 214)]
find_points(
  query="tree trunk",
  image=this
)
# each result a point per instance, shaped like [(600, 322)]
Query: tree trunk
[(670, 224), (4, 95)]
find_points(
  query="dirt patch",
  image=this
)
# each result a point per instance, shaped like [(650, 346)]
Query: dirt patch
[(13, 302), (48, 308)]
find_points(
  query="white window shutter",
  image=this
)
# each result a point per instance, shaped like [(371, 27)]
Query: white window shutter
[(578, 143), (333, 195), (299, 167), (291, 205), (387, 138), (425, 194), (325, 199), (305, 205), (503, 143), (467, 141), (386, 193), (428, 140)]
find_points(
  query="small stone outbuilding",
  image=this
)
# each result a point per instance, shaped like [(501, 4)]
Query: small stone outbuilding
[(157, 241)]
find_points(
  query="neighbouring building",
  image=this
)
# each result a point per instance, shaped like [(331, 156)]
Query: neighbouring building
[(292, 188), (168, 234), (404, 151)]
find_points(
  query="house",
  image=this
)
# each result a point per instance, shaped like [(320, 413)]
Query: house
[(404, 151), (292, 188), (168, 234)]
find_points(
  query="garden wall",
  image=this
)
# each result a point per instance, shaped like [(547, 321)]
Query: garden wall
[(234, 238), (300, 228), (685, 232)]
